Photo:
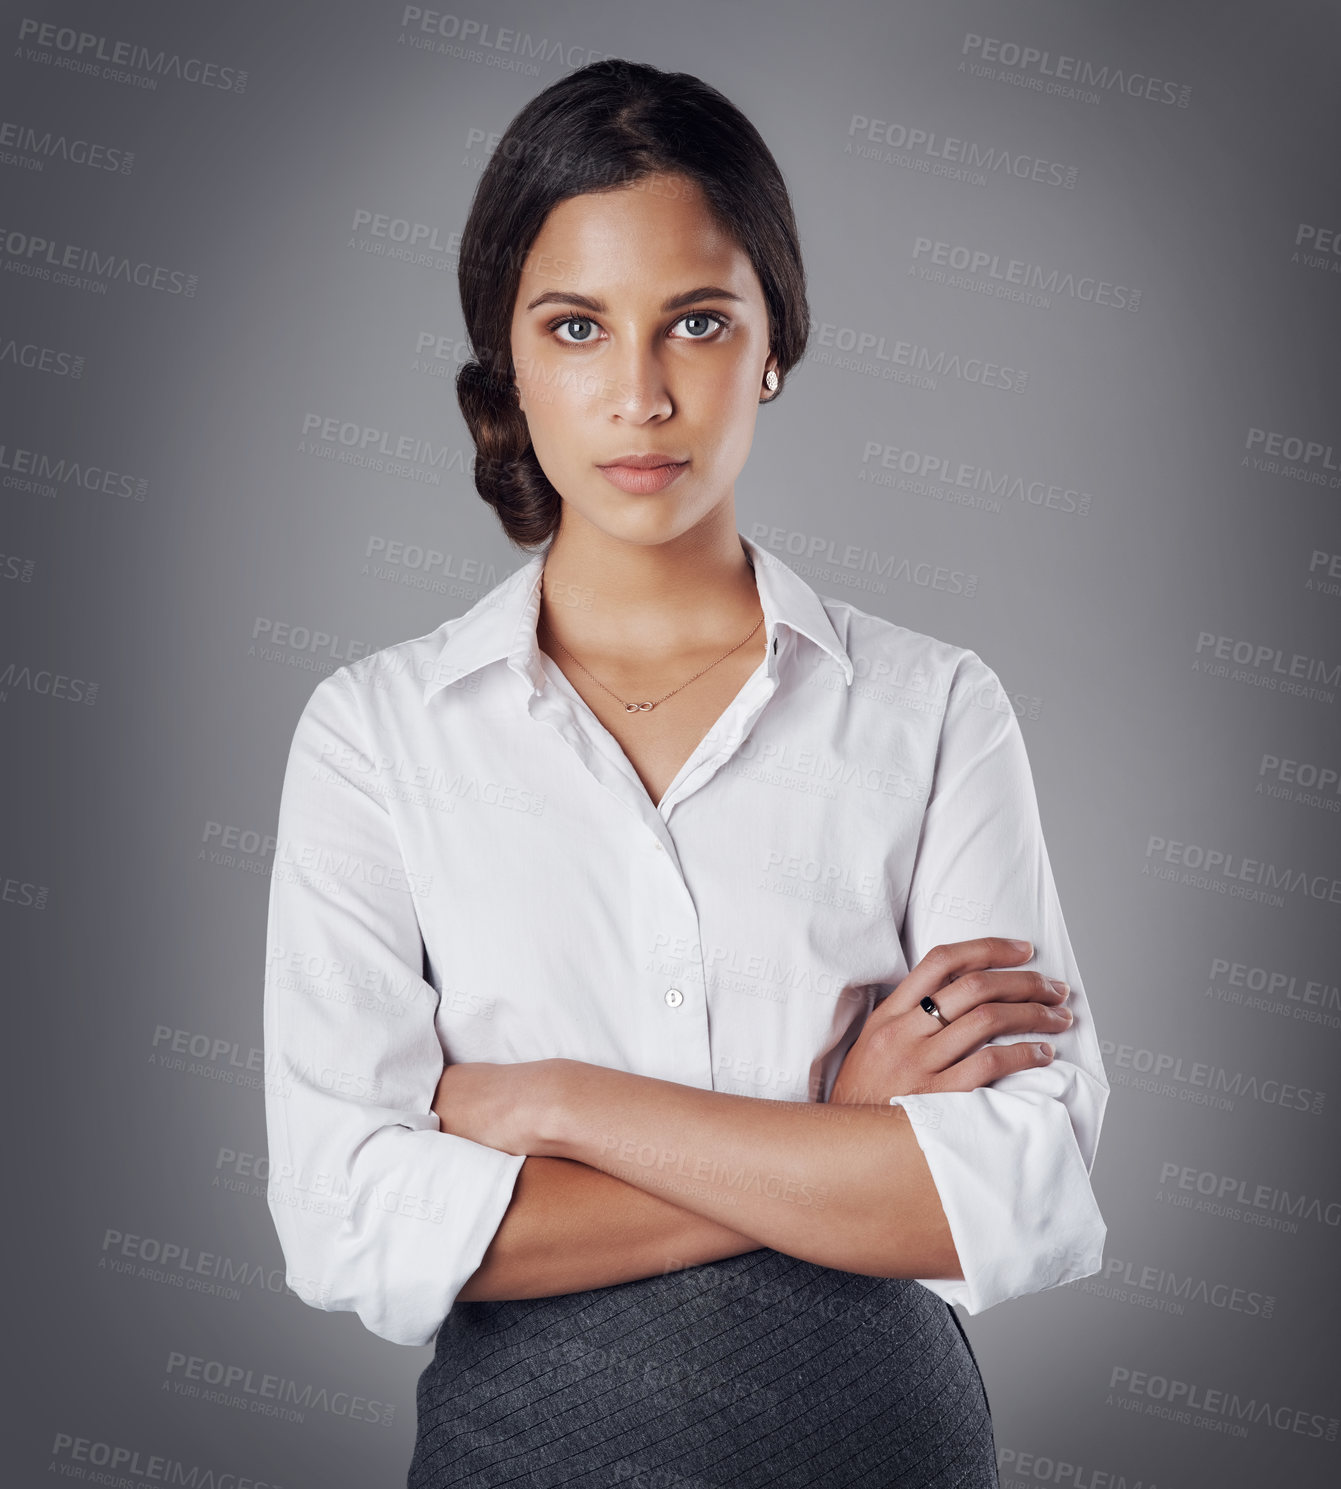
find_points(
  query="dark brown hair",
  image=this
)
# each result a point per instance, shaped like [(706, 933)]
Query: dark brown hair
[(605, 126)]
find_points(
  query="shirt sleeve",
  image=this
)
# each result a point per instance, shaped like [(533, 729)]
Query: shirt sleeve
[(1011, 1161), (378, 1211)]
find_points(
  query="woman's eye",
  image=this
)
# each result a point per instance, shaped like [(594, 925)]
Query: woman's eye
[(583, 332), (700, 323)]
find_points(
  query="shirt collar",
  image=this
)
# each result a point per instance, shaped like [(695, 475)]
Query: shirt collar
[(502, 625)]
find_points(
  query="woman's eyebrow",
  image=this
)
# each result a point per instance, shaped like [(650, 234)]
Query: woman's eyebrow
[(566, 297)]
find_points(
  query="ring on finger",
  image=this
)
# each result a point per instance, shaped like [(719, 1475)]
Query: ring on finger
[(930, 1006)]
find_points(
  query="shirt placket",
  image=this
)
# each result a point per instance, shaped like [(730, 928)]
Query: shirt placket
[(679, 1045)]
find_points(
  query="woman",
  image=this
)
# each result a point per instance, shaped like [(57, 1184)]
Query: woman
[(595, 1051)]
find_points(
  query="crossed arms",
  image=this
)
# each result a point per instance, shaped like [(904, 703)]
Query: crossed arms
[(627, 1175)]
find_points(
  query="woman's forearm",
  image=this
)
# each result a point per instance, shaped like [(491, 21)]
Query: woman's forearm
[(570, 1227), (842, 1186)]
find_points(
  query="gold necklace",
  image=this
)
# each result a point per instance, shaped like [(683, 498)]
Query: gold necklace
[(652, 703)]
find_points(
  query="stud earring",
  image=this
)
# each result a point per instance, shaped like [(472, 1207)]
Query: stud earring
[(771, 380)]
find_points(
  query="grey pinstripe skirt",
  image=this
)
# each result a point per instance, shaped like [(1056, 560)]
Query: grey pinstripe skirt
[(756, 1372)]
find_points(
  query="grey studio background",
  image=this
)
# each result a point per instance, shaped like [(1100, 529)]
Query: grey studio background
[(1070, 400)]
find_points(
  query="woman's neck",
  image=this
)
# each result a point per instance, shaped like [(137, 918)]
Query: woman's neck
[(640, 604)]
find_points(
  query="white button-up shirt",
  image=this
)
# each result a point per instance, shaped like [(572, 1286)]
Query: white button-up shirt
[(467, 864)]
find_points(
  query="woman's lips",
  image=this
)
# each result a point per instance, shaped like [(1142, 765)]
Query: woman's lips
[(642, 481)]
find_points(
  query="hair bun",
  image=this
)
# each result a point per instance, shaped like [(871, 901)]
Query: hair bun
[(507, 474)]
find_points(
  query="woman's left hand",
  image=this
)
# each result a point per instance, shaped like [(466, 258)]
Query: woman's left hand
[(501, 1106)]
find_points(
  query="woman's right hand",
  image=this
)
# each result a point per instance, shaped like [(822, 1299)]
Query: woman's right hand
[(903, 1050)]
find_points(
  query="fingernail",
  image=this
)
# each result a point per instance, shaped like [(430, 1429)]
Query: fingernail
[(1059, 987), (1044, 1053), (1065, 1014), (1023, 945)]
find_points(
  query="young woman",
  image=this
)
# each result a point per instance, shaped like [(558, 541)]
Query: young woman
[(645, 1021)]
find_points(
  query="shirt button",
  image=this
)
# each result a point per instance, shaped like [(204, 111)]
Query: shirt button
[(674, 997)]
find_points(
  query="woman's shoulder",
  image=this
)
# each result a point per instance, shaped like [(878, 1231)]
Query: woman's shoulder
[(369, 699), (883, 649), (960, 695), (403, 665), (405, 674), (386, 691)]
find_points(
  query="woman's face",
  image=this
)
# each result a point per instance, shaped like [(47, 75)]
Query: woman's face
[(640, 329)]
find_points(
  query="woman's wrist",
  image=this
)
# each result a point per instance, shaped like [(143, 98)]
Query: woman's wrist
[(514, 1106), (551, 1092)]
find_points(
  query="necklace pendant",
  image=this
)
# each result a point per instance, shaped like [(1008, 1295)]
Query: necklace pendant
[(638, 707)]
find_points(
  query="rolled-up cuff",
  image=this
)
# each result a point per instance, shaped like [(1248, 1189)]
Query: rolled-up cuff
[(1015, 1191), (430, 1205)]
